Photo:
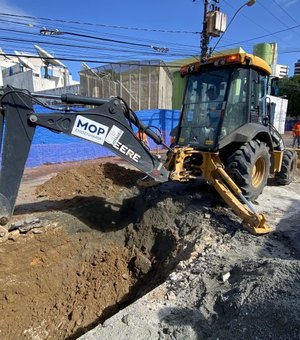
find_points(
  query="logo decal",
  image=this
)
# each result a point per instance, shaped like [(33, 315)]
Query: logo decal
[(90, 130), (125, 150), (114, 135)]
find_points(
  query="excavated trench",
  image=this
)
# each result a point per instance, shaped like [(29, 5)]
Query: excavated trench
[(98, 243)]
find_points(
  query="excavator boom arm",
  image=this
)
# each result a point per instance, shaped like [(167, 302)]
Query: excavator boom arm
[(109, 125)]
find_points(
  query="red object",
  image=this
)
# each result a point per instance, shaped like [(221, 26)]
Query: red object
[(296, 129)]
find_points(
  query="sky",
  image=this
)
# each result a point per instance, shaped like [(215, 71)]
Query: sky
[(98, 32)]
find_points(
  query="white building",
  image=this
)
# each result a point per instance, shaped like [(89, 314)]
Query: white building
[(34, 72), (281, 71)]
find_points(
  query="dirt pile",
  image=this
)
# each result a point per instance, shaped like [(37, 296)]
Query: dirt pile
[(101, 179)]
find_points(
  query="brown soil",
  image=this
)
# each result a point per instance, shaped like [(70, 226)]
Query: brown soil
[(73, 269), (101, 179), (53, 284)]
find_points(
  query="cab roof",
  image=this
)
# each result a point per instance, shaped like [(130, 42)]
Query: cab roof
[(240, 58)]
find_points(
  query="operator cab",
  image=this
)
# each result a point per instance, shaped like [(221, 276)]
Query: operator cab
[(218, 101)]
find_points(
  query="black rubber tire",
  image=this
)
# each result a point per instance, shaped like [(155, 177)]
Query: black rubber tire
[(288, 168), (249, 167)]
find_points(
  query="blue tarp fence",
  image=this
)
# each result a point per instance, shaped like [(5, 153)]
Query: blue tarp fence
[(50, 147), (289, 124)]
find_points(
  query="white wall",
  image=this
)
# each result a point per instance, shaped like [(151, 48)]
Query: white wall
[(165, 90), (32, 82)]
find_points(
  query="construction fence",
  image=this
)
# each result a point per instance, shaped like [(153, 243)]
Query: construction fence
[(143, 85)]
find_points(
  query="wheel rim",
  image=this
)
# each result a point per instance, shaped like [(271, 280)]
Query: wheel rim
[(258, 172)]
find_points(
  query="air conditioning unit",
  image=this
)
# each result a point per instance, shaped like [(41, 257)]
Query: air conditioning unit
[(216, 23)]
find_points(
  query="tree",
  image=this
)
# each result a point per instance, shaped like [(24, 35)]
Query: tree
[(291, 88)]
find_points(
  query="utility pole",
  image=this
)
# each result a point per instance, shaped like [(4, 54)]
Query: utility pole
[(204, 36), (212, 26)]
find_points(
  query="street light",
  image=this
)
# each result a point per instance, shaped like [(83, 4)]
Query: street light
[(251, 2), (248, 3)]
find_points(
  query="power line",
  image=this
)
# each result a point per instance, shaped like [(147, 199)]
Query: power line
[(104, 53), (97, 51), (32, 26), (99, 25), (286, 12), (181, 50), (254, 22), (127, 63), (264, 36), (174, 46), (128, 51), (272, 14)]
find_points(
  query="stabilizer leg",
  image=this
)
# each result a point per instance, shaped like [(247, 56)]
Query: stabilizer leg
[(209, 167), (252, 221)]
